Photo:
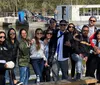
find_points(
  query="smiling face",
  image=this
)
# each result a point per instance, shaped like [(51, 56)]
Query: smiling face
[(92, 21), (2, 38), (49, 34), (12, 34), (23, 34), (39, 34)]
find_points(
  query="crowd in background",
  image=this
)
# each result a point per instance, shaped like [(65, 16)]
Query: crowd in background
[(50, 51)]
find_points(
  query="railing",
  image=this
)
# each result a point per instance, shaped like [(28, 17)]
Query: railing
[(7, 14)]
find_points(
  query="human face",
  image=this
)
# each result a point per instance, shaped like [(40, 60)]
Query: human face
[(2, 38), (71, 28), (85, 31), (92, 21), (12, 34), (53, 24), (49, 34), (98, 36), (24, 34), (39, 34), (63, 26)]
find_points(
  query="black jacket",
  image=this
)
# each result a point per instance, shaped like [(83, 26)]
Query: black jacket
[(4, 52), (53, 46), (13, 47)]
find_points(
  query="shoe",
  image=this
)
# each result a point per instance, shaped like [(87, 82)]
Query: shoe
[(78, 75), (19, 83)]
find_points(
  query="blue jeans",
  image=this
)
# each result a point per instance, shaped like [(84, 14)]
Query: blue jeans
[(24, 74), (78, 61), (63, 65), (38, 65)]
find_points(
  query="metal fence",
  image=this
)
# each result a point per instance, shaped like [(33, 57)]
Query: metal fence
[(7, 14)]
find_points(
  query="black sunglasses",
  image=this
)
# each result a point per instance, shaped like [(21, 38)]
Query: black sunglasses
[(92, 20), (12, 33), (49, 33), (2, 37), (62, 24), (71, 26)]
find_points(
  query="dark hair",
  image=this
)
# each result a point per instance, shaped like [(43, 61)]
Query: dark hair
[(3, 33), (64, 21), (9, 33), (36, 39), (69, 26), (93, 17), (52, 20), (85, 26), (21, 31), (97, 32)]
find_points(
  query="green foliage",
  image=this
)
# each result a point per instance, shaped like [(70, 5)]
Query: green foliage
[(39, 5)]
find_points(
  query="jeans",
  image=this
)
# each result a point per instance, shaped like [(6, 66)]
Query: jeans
[(38, 65), (63, 65), (78, 61), (24, 74)]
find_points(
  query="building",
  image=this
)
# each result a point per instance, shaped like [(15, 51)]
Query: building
[(77, 12)]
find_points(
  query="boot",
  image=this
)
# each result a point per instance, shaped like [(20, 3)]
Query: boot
[(78, 75)]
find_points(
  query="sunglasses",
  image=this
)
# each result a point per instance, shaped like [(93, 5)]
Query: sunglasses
[(92, 20), (62, 24), (2, 37), (85, 30), (12, 33), (49, 33), (71, 26)]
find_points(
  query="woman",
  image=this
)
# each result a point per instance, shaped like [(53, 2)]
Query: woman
[(24, 57), (93, 62), (46, 70), (4, 57), (37, 53), (13, 43), (71, 31)]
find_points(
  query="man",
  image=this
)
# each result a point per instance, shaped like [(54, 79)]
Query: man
[(81, 49), (58, 58), (92, 27)]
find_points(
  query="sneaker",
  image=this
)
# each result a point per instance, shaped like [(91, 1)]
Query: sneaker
[(19, 83)]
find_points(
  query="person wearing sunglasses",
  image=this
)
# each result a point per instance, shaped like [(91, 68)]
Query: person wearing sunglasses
[(46, 70), (13, 45), (4, 57), (59, 52), (71, 31), (37, 56)]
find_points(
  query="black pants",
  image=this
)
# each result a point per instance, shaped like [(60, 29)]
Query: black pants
[(2, 74), (46, 74), (72, 67), (93, 64)]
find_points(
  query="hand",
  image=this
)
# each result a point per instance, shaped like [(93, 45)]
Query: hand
[(67, 43), (81, 55), (85, 59), (45, 41), (46, 64)]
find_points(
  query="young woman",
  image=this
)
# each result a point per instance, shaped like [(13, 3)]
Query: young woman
[(71, 31), (46, 70), (13, 43), (37, 53), (24, 57), (4, 57)]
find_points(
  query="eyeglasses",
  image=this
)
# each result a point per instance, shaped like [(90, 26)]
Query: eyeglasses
[(39, 33), (12, 33), (62, 24), (92, 20), (2, 37), (85, 30), (49, 33), (71, 26)]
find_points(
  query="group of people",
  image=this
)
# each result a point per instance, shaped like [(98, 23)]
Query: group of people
[(50, 51)]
